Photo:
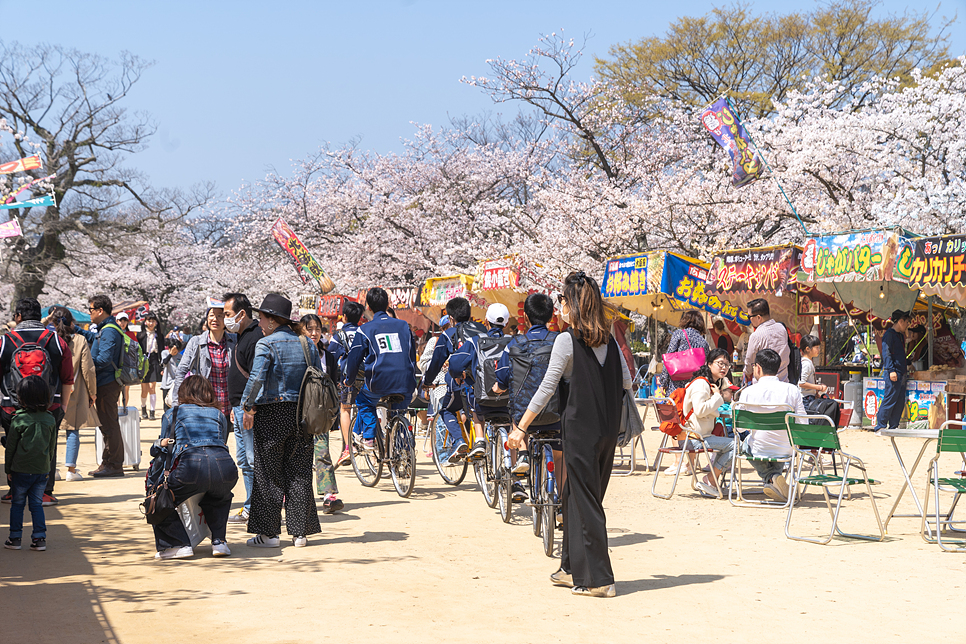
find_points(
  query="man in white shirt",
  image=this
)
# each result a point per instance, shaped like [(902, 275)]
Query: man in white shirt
[(769, 391)]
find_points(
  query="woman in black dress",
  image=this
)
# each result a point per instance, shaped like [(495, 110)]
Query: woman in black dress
[(588, 359), (152, 343)]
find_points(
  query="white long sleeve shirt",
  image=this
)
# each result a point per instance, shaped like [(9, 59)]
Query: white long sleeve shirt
[(773, 395)]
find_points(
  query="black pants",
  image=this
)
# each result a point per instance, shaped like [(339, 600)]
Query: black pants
[(283, 474), (584, 550), (208, 470)]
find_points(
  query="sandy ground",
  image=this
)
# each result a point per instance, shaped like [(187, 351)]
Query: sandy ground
[(442, 565)]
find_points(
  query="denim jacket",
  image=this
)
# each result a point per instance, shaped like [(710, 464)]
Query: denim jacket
[(277, 369), (196, 359), (196, 427)]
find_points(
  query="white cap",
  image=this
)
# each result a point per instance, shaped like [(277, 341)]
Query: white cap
[(122, 316), (498, 314)]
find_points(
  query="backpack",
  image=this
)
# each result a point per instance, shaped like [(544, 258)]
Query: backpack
[(134, 364), (31, 359), (670, 427), (824, 406), (794, 359), (346, 343), (465, 331), (488, 352), (530, 359), (318, 405)]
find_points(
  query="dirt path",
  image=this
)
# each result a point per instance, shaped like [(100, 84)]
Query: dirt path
[(443, 566)]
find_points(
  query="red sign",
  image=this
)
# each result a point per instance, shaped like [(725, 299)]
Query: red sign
[(330, 306), (766, 270)]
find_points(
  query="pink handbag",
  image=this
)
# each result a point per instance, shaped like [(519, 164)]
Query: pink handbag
[(681, 365)]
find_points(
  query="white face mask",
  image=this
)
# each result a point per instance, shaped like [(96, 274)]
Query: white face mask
[(565, 316), (232, 324)]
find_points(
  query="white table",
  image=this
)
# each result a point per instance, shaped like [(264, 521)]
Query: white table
[(927, 436)]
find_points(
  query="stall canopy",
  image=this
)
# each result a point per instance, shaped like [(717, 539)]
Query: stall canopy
[(509, 280), (768, 273), (939, 267), (867, 270), (80, 317), (437, 291), (663, 284)]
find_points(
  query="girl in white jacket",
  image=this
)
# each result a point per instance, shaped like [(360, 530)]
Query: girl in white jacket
[(704, 394)]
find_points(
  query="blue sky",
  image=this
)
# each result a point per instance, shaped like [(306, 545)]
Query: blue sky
[(240, 87)]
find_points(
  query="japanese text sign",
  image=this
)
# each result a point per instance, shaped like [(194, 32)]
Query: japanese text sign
[(877, 255), (758, 270)]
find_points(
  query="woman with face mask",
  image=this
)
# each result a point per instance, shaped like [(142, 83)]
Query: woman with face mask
[(152, 344), (587, 357)]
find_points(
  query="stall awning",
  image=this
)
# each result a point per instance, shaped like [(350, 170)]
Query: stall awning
[(867, 270), (663, 284)]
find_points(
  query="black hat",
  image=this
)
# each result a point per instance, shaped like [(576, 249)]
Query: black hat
[(899, 314), (277, 305)]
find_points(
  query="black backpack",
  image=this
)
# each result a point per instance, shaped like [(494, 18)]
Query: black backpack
[(465, 331), (318, 405), (824, 406), (530, 359), (488, 352), (794, 359)]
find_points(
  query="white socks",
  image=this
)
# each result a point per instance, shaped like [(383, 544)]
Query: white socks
[(153, 398)]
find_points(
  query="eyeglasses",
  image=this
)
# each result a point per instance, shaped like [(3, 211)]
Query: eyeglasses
[(722, 364)]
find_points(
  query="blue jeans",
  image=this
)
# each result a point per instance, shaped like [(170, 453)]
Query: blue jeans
[(449, 405), (245, 454), (767, 470), (366, 417), (27, 488), (73, 448), (723, 449), (893, 403), (199, 469)]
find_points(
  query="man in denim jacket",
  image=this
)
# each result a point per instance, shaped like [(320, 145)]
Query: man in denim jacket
[(386, 350)]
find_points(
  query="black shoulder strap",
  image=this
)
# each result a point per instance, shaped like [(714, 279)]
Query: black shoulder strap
[(171, 433)]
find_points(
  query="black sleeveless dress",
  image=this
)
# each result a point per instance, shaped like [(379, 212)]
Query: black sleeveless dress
[(591, 423)]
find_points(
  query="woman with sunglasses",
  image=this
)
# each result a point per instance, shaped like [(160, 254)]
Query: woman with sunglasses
[(588, 358)]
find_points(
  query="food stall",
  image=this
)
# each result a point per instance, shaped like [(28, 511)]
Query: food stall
[(437, 291), (509, 280), (329, 308)]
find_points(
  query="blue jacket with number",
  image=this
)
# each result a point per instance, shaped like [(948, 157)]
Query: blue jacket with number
[(385, 349)]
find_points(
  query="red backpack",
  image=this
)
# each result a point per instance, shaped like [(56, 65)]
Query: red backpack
[(671, 427), (31, 359)]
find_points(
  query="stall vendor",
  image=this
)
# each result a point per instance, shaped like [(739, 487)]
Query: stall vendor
[(894, 371), (917, 349)]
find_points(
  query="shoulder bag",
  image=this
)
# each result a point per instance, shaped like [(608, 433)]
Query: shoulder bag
[(158, 502), (681, 365)]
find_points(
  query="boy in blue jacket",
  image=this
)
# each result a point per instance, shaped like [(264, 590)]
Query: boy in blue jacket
[(386, 350)]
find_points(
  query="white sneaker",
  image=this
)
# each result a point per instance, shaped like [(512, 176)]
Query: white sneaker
[(522, 466), (239, 517), (57, 476), (74, 476), (182, 552), (300, 542), (261, 541), (220, 549)]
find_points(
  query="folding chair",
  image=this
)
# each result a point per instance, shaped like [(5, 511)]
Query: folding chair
[(753, 417), (951, 439), (630, 458), (668, 411), (809, 442)]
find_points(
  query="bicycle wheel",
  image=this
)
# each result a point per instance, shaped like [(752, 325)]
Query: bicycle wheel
[(504, 481), (439, 436), (402, 456), (534, 479), (548, 507), (366, 464)]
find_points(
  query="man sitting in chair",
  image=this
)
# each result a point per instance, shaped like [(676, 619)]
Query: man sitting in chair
[(770, 391)]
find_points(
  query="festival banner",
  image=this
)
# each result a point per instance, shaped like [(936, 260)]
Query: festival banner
[(10, 229), (329, 306), (401, 297), (12, 196), (730, 134), (756, 270), (305, 264), (625, 276), (876, 255), (939, 262), (39, 202), (21, 165)]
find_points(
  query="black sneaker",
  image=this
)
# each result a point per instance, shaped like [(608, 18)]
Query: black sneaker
[(518, 493), (38, 544), (331, 506), (12, 544), (7, 498)]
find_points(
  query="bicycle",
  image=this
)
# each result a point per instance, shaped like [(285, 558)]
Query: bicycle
[(452, 473), (544, 497), (395, 446), (492, 472)]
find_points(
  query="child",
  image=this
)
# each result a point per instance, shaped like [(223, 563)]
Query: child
[(810, 347), (30, 443)]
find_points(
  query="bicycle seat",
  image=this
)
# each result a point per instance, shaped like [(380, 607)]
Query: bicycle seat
[(391, 399)]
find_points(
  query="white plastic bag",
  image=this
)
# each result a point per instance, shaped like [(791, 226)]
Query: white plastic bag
[(193, 520)]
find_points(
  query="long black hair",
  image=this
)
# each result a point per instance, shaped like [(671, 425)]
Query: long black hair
[(704, 371)]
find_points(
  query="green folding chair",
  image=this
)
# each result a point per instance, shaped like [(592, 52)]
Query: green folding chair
[(809, 442), (952, 438), (754, 417)]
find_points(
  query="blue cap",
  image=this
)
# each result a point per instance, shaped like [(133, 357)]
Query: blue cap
[(443, 321)]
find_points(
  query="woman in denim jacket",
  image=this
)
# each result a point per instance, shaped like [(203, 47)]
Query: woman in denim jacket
[(202, 465), (283, 451)]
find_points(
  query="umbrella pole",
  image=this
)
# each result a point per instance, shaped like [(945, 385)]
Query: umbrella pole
[(929, 331)]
